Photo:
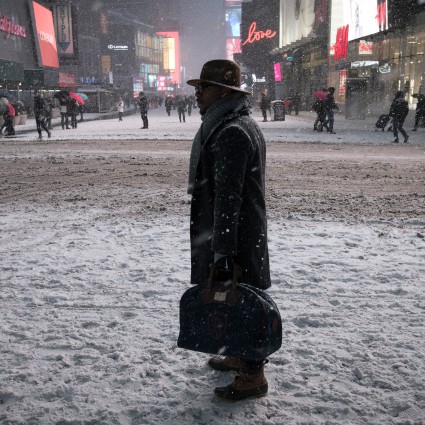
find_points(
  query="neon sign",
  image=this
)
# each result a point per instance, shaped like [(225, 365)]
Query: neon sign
[(254, 35), (10, 27)]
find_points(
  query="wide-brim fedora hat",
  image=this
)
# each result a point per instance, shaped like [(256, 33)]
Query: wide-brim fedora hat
[(220, 72)]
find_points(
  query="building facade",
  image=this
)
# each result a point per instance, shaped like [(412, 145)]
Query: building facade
[(97, 46), (366, 49)]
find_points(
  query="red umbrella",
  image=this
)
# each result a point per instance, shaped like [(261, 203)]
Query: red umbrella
[(79, 99), (321, 95)]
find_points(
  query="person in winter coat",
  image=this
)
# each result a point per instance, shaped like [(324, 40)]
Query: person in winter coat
[(63, 102), (297, 103), (398, 111), (181, 108), (420, 110), (143, 103), (40, 112), (264, 105), (189, 104), (73, 111), (320, 109), (48, 103), (120, 107), (168, 104), (330, 105), (8, 116), (228, 212)]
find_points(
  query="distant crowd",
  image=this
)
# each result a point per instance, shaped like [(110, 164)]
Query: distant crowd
[(324, 105)]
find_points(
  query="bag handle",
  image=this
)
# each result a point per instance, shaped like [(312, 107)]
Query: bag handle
[(224, 292)]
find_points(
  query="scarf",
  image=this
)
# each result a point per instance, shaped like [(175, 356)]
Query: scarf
[(213, 117)]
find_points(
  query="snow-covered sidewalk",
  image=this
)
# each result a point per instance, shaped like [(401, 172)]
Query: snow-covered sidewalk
[(92, 267), (89, 322)]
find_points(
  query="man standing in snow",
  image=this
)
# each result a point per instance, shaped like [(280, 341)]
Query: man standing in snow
[(228, 213), (144, 106)]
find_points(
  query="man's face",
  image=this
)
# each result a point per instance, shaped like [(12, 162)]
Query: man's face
[(207, 94)]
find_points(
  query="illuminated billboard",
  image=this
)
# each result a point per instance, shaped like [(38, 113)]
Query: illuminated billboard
[(277, 72), (359, 18), (297, 20), (44, 33), (233, 45), (365, 17), (171, 58), (233, 22), (302, 19)]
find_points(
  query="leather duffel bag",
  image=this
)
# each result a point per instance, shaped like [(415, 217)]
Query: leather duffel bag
[(230, 319)]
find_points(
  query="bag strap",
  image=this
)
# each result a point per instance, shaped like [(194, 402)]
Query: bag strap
[(222, 292)]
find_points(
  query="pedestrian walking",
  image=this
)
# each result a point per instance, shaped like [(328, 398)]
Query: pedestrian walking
[(120, 107), (189, 104), (63, 103), (168, 104), (181, 108), (398, 111), (49, 110), (73, 109), (320, 109), (297, 103), (264, 105), (8, 116), (420, 110), (330, 105), (81, 109), (228, 223), (288, 105), (143, 103), (40, 111)]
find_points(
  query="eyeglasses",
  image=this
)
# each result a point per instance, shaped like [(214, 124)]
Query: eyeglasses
[(200, 88)]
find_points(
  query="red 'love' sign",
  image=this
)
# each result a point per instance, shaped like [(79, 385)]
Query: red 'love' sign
[(254, 35)]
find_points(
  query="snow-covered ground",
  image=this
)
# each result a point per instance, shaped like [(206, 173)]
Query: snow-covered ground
[(90, 285)]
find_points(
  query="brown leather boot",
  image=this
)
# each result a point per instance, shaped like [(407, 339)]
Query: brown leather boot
[(225, 364), (244, 386)]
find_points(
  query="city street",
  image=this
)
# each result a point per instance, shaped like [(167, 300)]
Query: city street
[(94, 257)]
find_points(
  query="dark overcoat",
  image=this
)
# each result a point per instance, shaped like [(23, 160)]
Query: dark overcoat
[(228, 211)]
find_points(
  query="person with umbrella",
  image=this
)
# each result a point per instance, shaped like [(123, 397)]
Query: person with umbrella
[(40, 112), (8, 115), (63, 104), (84, 97)]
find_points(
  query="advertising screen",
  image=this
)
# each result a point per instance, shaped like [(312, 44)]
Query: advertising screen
[(233, 45), (365, 17), (172, 54), (297, 20), (233, 22), (137, 86), (277, 72), (16, 43), (45, 35)]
